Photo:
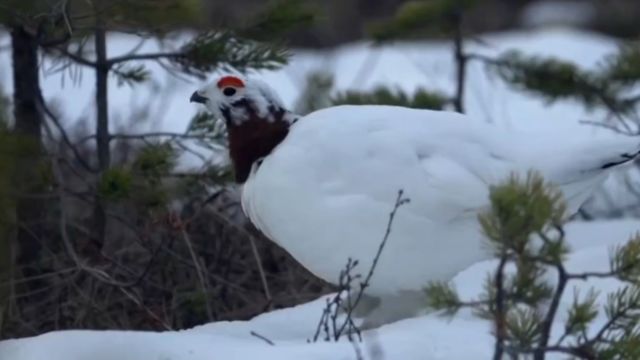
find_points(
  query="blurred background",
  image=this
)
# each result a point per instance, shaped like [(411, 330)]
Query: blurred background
[(348, 21), (117, 200)]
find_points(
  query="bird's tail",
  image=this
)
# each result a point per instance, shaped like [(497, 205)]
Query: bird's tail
[(579, 167)]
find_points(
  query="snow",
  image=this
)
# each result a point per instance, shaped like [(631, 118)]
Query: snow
[(551, 12), (430, 336), (356, 66)]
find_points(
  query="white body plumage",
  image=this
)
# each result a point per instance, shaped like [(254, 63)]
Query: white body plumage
[(325, 192)]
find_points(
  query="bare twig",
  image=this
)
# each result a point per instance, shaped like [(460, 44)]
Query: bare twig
[(63, 133), (198, 267), (400, 200), (329, 320), (261, 337), (75, 57), (254, 250)]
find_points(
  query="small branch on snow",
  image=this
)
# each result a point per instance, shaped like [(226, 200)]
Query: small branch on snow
[(253, 333)]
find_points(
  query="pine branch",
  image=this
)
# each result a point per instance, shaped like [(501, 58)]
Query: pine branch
[(624, 67), (518, 211), (222, 49), (75, 57), (555, 80), (137, 57)]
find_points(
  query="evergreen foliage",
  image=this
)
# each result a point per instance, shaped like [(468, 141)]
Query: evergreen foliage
[(318, 94), (610, 86), (152, 165), (133, 230), (421, 99), (253, 45), (212, 50), (115, 184), (524, 227)]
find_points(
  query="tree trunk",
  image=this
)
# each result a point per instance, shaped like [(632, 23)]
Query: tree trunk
[(102, 129), (102, 73), (28, 122)]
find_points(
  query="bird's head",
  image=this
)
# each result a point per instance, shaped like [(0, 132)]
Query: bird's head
[(237, 100), (256, 119)]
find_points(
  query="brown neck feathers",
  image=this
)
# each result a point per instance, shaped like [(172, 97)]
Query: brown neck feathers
[(254, 138)]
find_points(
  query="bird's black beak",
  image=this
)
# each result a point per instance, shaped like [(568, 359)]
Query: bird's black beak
[(196, 97)]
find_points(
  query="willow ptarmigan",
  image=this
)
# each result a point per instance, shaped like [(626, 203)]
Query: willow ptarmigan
[(322, 185)]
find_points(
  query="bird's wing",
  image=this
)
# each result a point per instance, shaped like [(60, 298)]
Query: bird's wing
[(345, 157)]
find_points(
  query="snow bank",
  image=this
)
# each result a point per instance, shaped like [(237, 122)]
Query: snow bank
[(426, 337)]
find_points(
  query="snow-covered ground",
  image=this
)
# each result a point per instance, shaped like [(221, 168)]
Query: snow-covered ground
[(356, 66), (427, 337)]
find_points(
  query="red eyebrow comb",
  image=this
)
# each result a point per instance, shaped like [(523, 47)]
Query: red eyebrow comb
[(230, 81)]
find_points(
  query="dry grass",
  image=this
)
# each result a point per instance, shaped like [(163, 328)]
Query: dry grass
[(169, 267)]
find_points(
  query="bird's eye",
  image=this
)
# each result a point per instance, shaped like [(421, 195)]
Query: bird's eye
[(229, 91)]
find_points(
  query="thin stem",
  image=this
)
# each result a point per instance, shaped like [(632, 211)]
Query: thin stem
[(150, 56), (500, 314), (461, 62), (547, 324), (261, 337), (364, 284), (63, 133), (198, 267)]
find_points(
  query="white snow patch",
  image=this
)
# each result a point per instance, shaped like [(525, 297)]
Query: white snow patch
[(555, 12)]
